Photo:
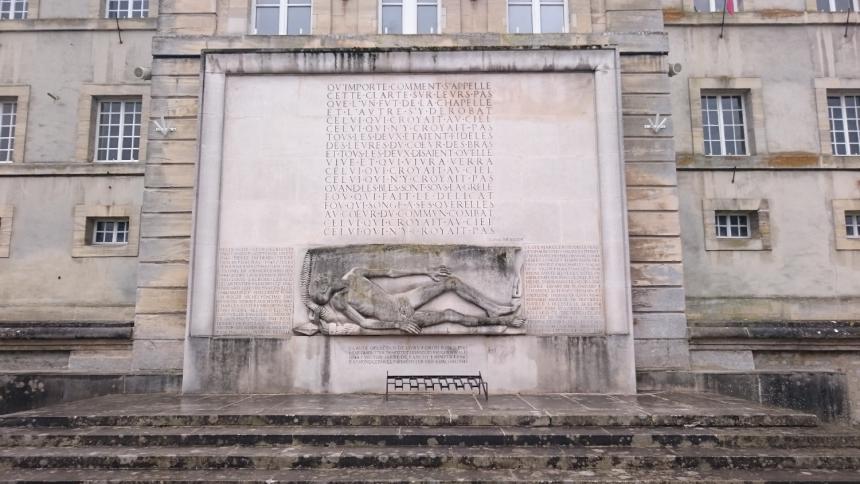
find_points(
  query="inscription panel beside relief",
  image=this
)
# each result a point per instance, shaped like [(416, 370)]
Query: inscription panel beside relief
[(413, 204)]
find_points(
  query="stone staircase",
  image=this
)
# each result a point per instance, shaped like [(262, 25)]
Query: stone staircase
[(662, 437)]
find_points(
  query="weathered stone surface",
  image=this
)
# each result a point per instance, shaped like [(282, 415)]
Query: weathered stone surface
[(655, 249), (160, 300), (662, 353), (656, 274), (821, 392), (168, 200), (658, 299), (162, 275), (660, 325), (164, 250)]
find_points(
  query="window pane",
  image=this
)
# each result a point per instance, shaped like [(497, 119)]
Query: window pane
[(392, 19), (551, 19), (427, 19), (298, 20), (267, 20), (520, 19), (702, 5), (843, 5)]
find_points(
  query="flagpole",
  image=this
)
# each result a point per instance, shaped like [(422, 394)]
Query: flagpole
[(723, 21), (847, 20)]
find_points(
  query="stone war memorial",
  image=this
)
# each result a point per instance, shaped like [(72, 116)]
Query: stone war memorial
[(441, 212), (397, 241)]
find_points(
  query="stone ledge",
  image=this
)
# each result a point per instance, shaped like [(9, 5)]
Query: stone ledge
[(769, 161), (72, 169), (77, 24), (672, 17), (824, 393), (192, 46), (65, 330), (28, 390), (776, 330)]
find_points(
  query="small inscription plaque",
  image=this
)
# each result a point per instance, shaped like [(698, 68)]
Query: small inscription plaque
[(409, 159), (408, 354), (255, 292), (563, 289)]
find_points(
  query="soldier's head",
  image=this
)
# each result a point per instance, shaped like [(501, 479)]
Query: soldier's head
[(323, 286)]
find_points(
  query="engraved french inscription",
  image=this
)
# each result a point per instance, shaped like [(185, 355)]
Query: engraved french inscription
[(255, 292), (408, 354), (409, 159), (563, 289)]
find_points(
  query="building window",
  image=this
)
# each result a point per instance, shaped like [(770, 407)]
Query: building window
[(736, 224), (107, 231), (127, 8), (837, 5), (844, 114), (8, 115), (13, 9), (282, 17), (732, 225), (118, 130), (536, 16), (724, 125), (409, 17), (852, 224), (715, 5)]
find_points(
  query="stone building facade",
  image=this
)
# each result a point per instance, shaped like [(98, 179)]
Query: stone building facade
[(713, 313)]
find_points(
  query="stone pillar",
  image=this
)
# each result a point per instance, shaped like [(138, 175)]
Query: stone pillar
[(660, 324)]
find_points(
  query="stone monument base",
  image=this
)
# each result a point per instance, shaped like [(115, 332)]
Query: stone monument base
[(511, 364)]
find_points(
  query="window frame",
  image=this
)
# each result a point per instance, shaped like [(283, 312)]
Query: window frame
[(10, 151), (409, 16), (721, 123), (751, 89), (712, 6), (853, 224), (10, 14), (845, 131), (84, 224), (21, 95), (283, 15), (90, 95), (855, 4), (758, 224), (842, 208), (746, 225), (128, 11), (123, 100), (114, 231), (536, 20)]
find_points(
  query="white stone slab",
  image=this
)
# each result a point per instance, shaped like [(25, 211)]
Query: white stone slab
[(497, 148)]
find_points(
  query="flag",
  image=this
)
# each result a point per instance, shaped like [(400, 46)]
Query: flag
[(730, 6)]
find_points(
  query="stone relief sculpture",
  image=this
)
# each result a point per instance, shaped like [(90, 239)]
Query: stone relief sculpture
[(356, 290)]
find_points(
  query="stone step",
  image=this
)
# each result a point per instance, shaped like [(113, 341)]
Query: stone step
[(469, 458), (438, 476), (214, 435), (508, 419), (565, 410)]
